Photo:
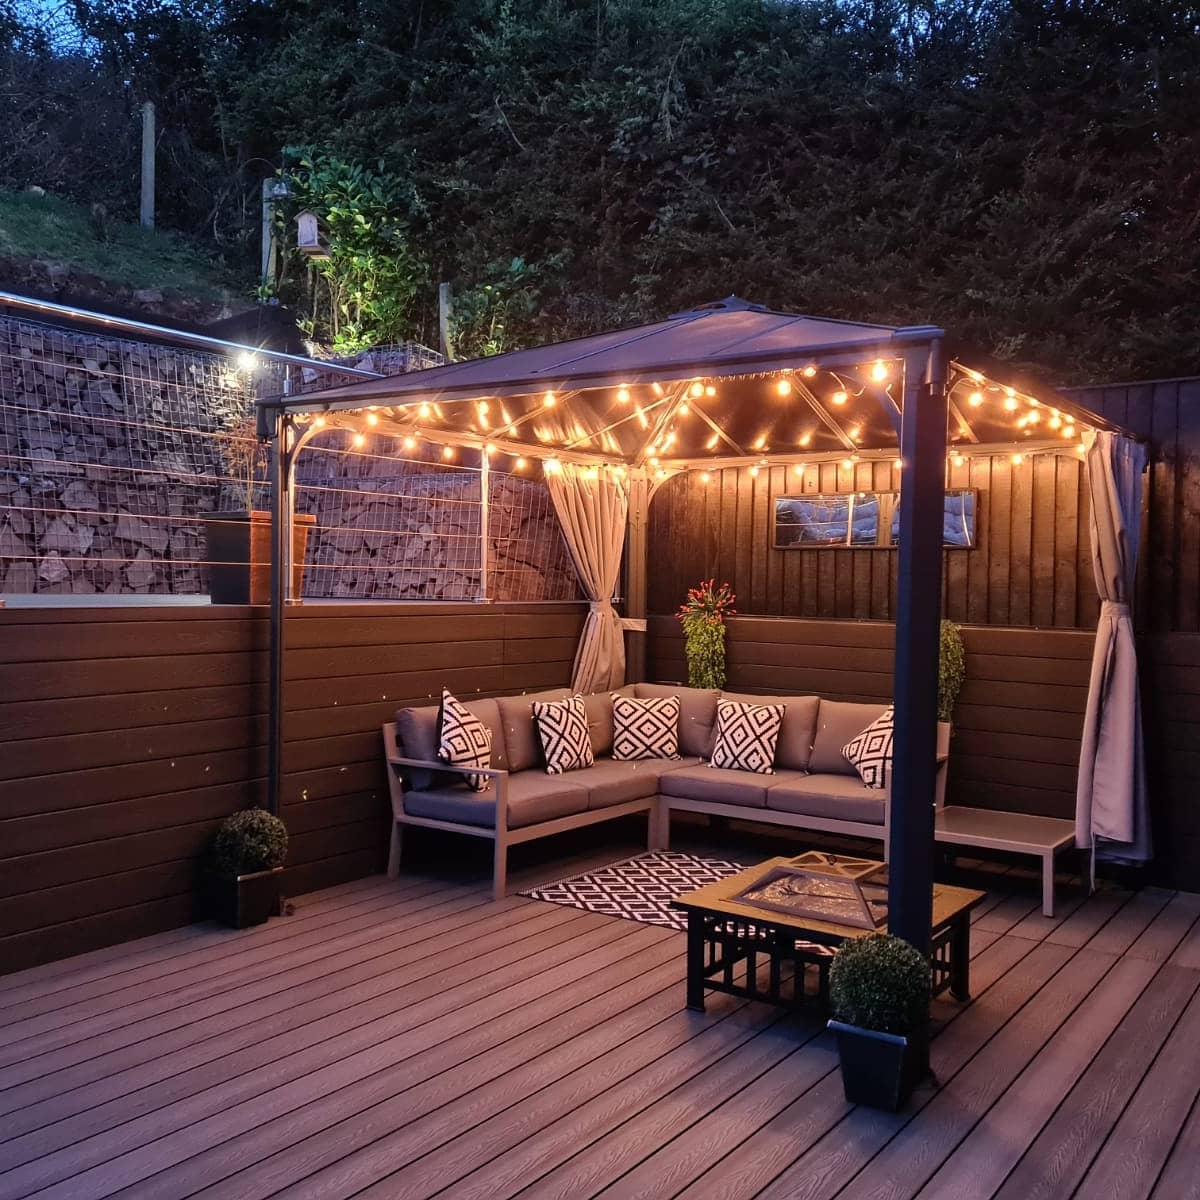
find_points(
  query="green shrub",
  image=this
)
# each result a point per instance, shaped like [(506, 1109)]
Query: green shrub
[(880, 982), (952, 669), (248, 841)]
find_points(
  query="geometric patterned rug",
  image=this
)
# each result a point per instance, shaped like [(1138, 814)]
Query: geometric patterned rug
[(640, 888)]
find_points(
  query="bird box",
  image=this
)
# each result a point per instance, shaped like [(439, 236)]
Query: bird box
[(308, 236)]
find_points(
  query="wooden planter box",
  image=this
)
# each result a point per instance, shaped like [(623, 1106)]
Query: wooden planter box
[(239, 555)]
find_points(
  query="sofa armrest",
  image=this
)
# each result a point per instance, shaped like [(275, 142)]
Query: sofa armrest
[(499, 776)]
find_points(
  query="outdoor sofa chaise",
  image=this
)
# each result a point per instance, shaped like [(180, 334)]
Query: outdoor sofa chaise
[(813, 785)]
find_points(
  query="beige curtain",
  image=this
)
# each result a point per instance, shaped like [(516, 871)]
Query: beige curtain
[(592, 506), (1111, 806)]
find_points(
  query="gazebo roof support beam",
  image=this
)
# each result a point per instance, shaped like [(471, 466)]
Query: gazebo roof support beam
[(824, 417)]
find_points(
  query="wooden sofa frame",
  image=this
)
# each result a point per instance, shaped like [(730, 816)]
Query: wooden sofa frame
[(657, 808)]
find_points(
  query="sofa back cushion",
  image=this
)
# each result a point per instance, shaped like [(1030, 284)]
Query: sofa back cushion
[(417, 734), (697, 714), (794, 748), (838, 722), (599, 707), (520, 734)]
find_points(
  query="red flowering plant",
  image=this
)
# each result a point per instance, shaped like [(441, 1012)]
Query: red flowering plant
[(702, 616)]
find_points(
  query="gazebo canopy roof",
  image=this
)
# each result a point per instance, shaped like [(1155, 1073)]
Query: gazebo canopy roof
[(725, 382)]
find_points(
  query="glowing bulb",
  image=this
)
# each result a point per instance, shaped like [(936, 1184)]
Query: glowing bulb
[(653, 461), (359, 439), (784, 387), (754, 472), (483, 408), (1081, 450), (552, 466), (683, 409), (711, 444), (447, 452), (1010, 404), (898, 464), (809, 371), (839, 397), (879, 371), (705, 477), (489, 449), (975, 399), (709, 390), (424, 412), (246, 361), (657, 388), (372, 419), (855, 434), (805, 439), (670, 440), (1033, 417), (697, 389), (549, 400), (1068, 431), (520, 464), (759, 443), (798, 470), (410, 443), (1018, 459), (1055, 422), (592, 473), (623, 395), (847, 463), (958, 460), (975, 376), (319, 423), (660, 474)]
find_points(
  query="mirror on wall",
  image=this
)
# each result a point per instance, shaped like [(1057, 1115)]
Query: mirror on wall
[(865, 520)]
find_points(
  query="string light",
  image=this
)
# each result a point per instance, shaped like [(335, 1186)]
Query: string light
[(520, 464), (1033, 416), (483, 408), (360, 440), (705, 477), (410, 443), (372, 419), (759, 443), (809, 371), (489, 449), (1018, 459), (784, 387), (879, 371), (805, 439), (657, 388), (855, 433), (711, 444), (839, 397), (552, 466), (246, 361), (958, 460), (697, 389), (424, 412), (975, 399), (683, 409), (549, 400), (1068, 432), (622, 395), (1055, 421), (447, 452), (898, 464), (847, 464), (709, 390), (319, 423), (798, 470), (1010, 404), (754, 472)]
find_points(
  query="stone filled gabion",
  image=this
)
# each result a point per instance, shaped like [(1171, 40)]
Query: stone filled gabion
[(108, 462)]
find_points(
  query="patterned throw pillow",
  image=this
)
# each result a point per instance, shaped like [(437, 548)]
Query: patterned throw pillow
[(746, 736), (563, 728), (645, 728), (870, 752), (464, 740)]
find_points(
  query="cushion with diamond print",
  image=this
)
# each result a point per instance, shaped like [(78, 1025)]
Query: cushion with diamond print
[(464, 740), (746, 736), (645, 728)]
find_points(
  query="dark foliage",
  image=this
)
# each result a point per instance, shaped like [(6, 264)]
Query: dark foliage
[(1021, 172), (248, 841), (880, 982)]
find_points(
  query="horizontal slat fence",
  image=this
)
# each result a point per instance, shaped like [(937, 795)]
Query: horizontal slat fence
[(126, 735)]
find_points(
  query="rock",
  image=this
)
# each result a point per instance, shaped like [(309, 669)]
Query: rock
[(140, 573), (52, 569), (148, 296), (142, 533), (20, 579), (11, 545), (80, 498)]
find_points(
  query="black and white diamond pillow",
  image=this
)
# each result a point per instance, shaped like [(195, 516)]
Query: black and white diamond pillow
[(563, 728), (870, 752), (746, 736), (645, 728), (464, 741)]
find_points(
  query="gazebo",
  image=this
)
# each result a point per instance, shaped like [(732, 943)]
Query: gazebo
[(610, 417)]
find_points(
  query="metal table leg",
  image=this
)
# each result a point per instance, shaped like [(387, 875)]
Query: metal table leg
[(695, 961)]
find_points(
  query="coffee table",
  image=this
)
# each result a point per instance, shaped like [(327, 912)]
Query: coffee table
[(725, 934)]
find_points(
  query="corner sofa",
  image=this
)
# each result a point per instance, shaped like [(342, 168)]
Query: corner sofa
[(813, 786)]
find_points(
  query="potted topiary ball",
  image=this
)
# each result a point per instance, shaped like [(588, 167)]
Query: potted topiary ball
[(879, 994), (247, 868)]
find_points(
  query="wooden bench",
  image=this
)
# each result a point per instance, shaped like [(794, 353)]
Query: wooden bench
[(1021, 833)]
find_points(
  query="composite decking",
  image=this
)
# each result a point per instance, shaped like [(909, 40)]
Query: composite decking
[(414, 1039)]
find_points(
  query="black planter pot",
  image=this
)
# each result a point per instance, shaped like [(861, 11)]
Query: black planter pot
[(880, 1069), (245, 901)]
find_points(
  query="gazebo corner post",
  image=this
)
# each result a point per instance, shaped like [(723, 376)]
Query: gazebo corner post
[(485, 501), (918, 620), (636, 550)]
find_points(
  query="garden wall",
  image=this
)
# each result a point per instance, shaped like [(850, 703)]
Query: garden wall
[(126, 735)]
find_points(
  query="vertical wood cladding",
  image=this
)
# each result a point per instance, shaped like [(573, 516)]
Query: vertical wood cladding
[(1030, 566), (128, 734)]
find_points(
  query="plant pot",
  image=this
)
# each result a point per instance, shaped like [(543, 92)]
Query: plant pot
[(880, 1069), (239, 555), (944, 732), (245, 900)]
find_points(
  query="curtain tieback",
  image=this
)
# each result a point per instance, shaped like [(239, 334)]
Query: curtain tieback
[(1115, 609), (600, 606)]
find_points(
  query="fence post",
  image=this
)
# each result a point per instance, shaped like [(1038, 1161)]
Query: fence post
[(148, 135)]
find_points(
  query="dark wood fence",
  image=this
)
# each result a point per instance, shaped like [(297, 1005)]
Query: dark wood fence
[(129, 733), (1030, 567)]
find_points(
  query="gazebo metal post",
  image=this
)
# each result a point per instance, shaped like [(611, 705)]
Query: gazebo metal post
[(918, 618), (635, 575)]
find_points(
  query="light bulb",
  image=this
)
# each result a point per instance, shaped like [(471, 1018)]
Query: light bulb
[(372, 419), (898, 464), (519, 464), (410, 443), (697, 389), (1055, 422), (1010, 404), (958, 460), (319, 422), (447, 452), (359, 440), (754, 472), (798, 470), (552, 466), (1018, 459), (1068, 431), (549, 400), (1032, 417), (847, 463), (660, 474), (683, 409), (879, 371), (855, 434), (759, 443), (705, 477), (657, 388), (709, 390), (483, 408), (839, 397), (784, 387), (623, 395), (424, 412), (246, 361), (809, 371), (975, 399), (711, 444), (489, 449), (805, 439)]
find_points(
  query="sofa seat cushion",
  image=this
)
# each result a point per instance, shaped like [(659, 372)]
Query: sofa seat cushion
[(838, 722), (611, 781), (794, 747), (721, 786), (835, 797), (697, 714), (417, 732), (533, 797)]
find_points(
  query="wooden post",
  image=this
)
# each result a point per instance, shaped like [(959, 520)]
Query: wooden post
[(148, 135), (918, 618), (635, 575), (445, 305)]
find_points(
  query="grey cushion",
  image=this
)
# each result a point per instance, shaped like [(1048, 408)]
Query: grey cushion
[(599, 707), (533, 797), (794, 747), (611, 782), (520, 733), (697, 714), (721, 786), (837, 722), (417, 733), (839, 797)]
